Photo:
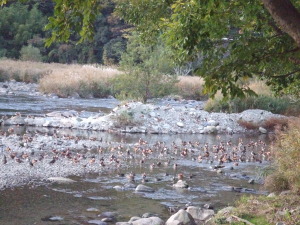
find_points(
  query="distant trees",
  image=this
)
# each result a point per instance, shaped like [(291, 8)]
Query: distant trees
[(18, 25), (22, 26)]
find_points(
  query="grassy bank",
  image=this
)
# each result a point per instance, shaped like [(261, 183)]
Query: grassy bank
[(67, 80), (283, 181), (264, 100)]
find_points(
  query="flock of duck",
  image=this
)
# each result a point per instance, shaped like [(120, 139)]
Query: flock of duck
[(112, 155)]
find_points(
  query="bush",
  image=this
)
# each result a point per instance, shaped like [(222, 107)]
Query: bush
[(276, 105), (144, 73), (30, 53), (287, 159), (142, 85), (191, 87), (125, 118)]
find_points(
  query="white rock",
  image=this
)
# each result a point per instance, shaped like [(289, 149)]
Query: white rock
[(61, 180), (199, 213), (148, 221), (212, 123), (262, 130), (181, 218), (180, 124), (210, 129), (143, 188)]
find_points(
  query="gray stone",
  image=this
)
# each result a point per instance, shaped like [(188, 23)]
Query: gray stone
[(123, 223), (210, 129), (212, 123), (129, 186), (226, 211), (56, 218), (109, 219), (97, 222), (148, 221), (92, 210), (118, 188), (144, 188), (15, 120), (180, 124), (134, 218), (272, 195), (199, 213), (62, 180), (251, 181), (108, 214), (147, 215), (181, 184), (181, 217), (262, 130)]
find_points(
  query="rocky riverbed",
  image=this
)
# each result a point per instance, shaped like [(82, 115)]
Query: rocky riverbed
[(48, 152), (136, 117)]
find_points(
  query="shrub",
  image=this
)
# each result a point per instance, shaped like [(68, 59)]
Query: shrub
[(276, 105), (142, 85), (191, 87), (286, 152), (276, 182), (145, 72), (30, 53), (124, 118), (248, 125)]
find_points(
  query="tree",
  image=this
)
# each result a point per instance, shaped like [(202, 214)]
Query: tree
[(237, 39), (145, 71)]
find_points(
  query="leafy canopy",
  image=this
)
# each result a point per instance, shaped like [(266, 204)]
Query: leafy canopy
[(237, 40)]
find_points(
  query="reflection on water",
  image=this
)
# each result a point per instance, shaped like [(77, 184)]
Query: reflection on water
[(33, 205)]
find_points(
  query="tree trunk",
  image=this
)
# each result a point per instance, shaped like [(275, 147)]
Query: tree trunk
[(286, 16)]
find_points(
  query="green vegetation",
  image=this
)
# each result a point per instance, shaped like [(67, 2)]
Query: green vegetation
[(287, 157), (237, 40), (278, 105), (125, 118), (145, 75), (22, 34), (30, 53)]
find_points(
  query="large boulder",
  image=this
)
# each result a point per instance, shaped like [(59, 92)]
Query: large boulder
[(182, 217), (199, 213), (148, 221)]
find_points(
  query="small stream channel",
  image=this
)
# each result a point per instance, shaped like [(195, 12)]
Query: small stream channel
[(81, 202)]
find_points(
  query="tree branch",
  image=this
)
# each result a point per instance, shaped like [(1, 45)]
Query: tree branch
[(286, 75)]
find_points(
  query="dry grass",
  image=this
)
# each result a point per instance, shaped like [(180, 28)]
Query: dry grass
[(248, 125), (84, 80), (281, 208), (260, 88), (190, 87), (25, 71), (286, 152), (277, 123)]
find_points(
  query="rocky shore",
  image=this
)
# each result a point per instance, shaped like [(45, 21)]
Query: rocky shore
[(135, 117), (34, 158)]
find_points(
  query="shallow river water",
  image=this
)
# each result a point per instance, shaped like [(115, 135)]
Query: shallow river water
[(83, 201)]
